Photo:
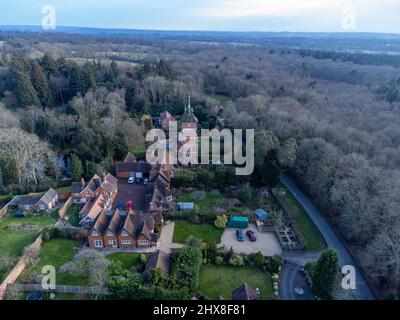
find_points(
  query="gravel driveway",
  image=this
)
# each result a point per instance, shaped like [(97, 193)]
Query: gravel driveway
[(266, 242)]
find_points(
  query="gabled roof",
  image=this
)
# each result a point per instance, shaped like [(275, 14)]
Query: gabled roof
[(96, 208), (130, 158), (94, 183), (117, 222), (244, 292), (28, 200), (133, 167), (166, 115), (49, 196), (102, 222), (110, 183), (76, 187), (160, 260), (139, 223)]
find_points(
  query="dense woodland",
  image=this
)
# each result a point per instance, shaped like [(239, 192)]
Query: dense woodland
[(329, 119)]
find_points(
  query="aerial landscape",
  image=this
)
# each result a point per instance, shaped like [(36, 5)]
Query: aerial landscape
[(206, 163)]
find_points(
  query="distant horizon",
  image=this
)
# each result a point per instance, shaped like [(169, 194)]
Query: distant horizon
[(196, 30), (304, 16)]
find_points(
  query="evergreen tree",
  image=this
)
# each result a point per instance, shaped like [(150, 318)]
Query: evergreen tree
[(77, 169), (88, 77), (324, 274), (40, 84), (24, 91), (49, 65), (75, 81), (114, 69)]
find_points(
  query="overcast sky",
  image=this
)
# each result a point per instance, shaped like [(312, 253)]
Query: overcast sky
[(230, 15)]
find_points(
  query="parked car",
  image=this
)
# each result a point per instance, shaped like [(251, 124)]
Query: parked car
[(239, 235), (251, 235), (37, 295), (131, 180)]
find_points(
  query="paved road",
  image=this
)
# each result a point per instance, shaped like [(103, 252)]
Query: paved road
[(363, 292), (292, 276), (167, 233)]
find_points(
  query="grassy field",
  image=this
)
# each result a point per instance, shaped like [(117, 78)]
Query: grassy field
[(12, 242), (57, 252), (313, 238), (216, 281), (204, 204), (128, 260), (64, 189), (208, 233)]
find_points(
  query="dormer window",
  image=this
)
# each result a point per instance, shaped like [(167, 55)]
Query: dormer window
[(124, 233), (95, 233), (110, 233)]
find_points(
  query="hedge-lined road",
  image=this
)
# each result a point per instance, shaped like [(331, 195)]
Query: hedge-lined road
[(363, 292)]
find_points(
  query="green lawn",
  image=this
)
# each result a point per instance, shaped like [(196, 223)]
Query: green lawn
[(64, 189), (42, 219), (128, 260), (216, 281), (313, 238), (204, 204), (57, 252), (73, 214), (12, 242), (208, 233)]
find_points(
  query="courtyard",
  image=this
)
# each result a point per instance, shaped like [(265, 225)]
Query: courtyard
[(266, 242)]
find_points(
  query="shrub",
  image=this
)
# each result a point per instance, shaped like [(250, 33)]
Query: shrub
[(186, 267), (258, 259), (274, 264), (236, 260), (219, 260), (221, 222)]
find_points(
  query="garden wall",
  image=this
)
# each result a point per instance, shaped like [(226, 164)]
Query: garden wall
[(65, 207), (17, 270)]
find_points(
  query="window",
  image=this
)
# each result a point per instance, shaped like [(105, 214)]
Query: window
[(88, 193), (98, 243), (126, 241), (95, 233), (143, 242), (112, 243), (110, 233), (124, 233)]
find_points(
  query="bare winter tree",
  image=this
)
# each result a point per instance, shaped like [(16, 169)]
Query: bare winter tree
[(25, 153)]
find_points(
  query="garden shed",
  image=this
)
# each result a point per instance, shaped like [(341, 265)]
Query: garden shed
[(261, 214), (238, 222)]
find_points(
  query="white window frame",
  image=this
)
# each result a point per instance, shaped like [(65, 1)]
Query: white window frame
[(110, 233), (143, 242), (126, 242), (98, 243), (113, 243), (124, 233), (95, 233)]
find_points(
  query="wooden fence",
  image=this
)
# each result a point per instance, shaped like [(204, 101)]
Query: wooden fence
[(17, 270), (63, 210), (17, 287)]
